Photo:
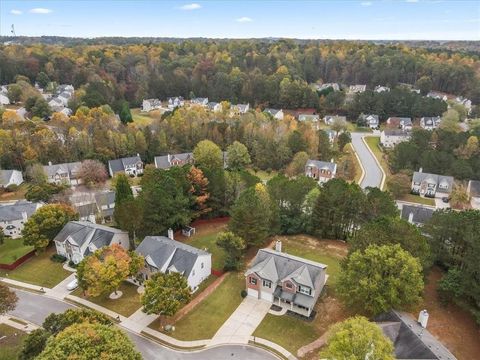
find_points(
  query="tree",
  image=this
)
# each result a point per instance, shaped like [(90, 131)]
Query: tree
[(233, 246), (123, 192), (450, 121), (343, 139), (8, 299), (379, 279), (338, 125), (46, 223), (424, 84), (103, 271), (297, 166), (459, 198), (41, 108), (252, 215), (43, 80), (357, 338), (124, 113), (237, 156), (55, 323), (399, 185), (34, 344), (378, 203), (36, 174), (208, 155), (296, 142), (92, 173), (14, 93), (125, 221), (325, 151), (165, 293), (90, 341), (42, 192), (199, 190)]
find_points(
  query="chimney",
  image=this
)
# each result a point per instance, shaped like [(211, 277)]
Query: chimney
[(138, 154), (423, 318), (169, 158), (420, 170), (278, 246), (49, 163), (24, 216), (410, 218), (170, 234)]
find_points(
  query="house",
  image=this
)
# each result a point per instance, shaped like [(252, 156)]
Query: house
[(473, 190), (322, 171), (430, 123), (308, 117), (380, 89), (4, 100), (440, 96), (199, 101), (167, 255), (431, 185), (167, 161), (390, 138), (174, 102), (131, 166), (240, 109), (214, 106), (105, 202), (66, 173), (410, 338), (78, 239), (275, 113), (465, 102), (56, 104), (331, 135), (151, 104), (65, 88), (370, 121), (417, 214), (357, 88), (286, 280), (14, 216), (94, 206), (330, 119), (404, 123), (10, 177), (333, 86)]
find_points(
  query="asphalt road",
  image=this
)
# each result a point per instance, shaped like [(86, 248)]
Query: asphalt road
[(35, 308), (373, 174)]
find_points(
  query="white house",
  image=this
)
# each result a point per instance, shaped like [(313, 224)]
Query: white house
[(10, 177), (370, 121), (130, 166), (163, 254), (431, 185), (357, 88), (330, 119), (404, 123), (151, 104), (473, 191), (322, 171), (78, 239), (66, 173), (174, 102), (380, 89), (4, 100), (199, 101), (390, 138), (430, 123), (240, 109), (334, 86), (14, 216), (56, 104), (308, 117), (214, 106), (275, 113)]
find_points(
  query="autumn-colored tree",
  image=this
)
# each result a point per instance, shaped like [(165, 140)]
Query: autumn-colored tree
[(199, 190), (8, 299), (297, 166), (92, 173), (128, 217), (459, 197), (399, 185), (103, 271), (46, 223)]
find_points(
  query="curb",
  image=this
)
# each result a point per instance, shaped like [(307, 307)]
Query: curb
[(359, 162), (384, 176)]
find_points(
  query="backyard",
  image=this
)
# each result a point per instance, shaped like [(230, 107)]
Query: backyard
[(12, 249), (418, 199), (39, 270), (141, 119), (18, 194), (11, 344)]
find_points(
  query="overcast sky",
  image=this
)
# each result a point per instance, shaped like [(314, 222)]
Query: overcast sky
[(352, 19)]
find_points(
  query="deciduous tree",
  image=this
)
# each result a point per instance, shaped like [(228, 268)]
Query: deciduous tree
[(92, 173), (208, 155), (233, 246), (8, 299), (237, 156)]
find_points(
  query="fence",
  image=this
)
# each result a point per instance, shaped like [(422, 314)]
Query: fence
[(17, 262)]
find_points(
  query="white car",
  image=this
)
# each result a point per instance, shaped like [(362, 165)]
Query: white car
[(72, 285)]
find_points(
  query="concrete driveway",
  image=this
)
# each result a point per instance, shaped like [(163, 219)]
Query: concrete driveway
[(373, 174), (242, 323)]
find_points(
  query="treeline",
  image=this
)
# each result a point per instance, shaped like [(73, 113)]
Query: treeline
[(270, 73)]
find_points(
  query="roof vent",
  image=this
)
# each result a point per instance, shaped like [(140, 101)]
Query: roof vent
[(170, 234), (278, 246), (423, 318)]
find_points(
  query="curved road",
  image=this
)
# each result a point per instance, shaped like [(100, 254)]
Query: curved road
[(35, 308), (373, 173)]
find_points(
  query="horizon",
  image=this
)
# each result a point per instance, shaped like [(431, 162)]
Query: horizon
[(402, 20)]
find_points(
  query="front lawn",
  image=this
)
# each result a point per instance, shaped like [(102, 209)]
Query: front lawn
[(418, 199), (13, 249), (208, 316), (126, 305), (11, 345), (18, 194), (141, 119), (39, 270)]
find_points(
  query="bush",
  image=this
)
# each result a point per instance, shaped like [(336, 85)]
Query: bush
[(72, 264), (449, 287), (58, 258), (243, 293), (12, 188)]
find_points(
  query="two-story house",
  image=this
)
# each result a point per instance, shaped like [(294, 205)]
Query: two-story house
[(430, 123), (275, 113), (130, 166), (404, 123), (78, 239), (473, 191), (214, 106), (199, 101), (330, 119), (167, 161), (381, 88), (174, 102), (240, 109), (151, 104), (357, 88), (372, 121), (286, 280), (390, 138), (66, 173), (163, 254), (322, 171), (94, 206), (417, 214), (14, 216), (431, 185), (10, 177)]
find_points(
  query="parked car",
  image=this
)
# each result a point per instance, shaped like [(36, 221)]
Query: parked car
[(72, 285)]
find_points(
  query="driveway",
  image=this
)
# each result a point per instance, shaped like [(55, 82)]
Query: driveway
[(243, 322), (373, 173), (60, 290), (36, 307)]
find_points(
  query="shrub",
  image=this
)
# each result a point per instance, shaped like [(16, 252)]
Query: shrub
[(12, 188), (243, 293), (72, 264), (58, 258)]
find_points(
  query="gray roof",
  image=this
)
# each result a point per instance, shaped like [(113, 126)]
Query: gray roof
[(5, 176), (105, 198), (70, 168), (162, 162), (421, 214), (199, 100), (212, 104), (119, 165), (418, 177), (271, 111), (181, 257), (12, 212), (396, 132), (474, 188), (410, 340), (322, 165), (82, 231), (86, 209)]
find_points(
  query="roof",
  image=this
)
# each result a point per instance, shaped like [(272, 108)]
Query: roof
[(83, 231), (420, 214), (70, 168), (165, 161), (12, 212), (322, 165), (474, 188), (272, 112), (119, 165), (105, 198), (410, 339), (6, 175), (165, 253), (396, 132), (212, 104), (85, 210), (419, 177)]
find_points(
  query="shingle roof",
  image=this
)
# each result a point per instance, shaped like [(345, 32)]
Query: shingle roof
[(82, 231), (322, 165), (474, 188), (418, 177), (12, 212), (271, 111), (396, 132), (119, 165), (158, 250), (70, 168), (421, 214), (162, 162), (5, 176), (105, 198)]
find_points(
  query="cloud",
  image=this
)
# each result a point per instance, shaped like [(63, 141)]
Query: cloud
[(244, 19), (40, 11), (16, 12), (366, 3), (193, 6)]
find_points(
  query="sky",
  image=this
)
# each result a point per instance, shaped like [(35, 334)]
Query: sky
[(328, 19)]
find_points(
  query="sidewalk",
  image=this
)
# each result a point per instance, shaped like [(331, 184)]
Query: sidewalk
[(60, 291), (23, 285), (272, 345), (28, 328)]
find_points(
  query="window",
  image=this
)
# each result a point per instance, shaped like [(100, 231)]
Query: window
[(288, 285), (305, 290), (201, 266), (267, 283), (252, 281)]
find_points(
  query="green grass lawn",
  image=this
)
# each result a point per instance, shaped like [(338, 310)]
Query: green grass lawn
[(141, 119), (207, 241), (418, 199), (11, 345), (126, 305), (12, 249), (208, 316), (39, 270), (263, 175)]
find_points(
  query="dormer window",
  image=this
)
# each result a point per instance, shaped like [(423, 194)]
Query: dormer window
[(305, 290), (267, 284)]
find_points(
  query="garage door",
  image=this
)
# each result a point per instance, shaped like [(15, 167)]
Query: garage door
[(266, 296), (253, 293)]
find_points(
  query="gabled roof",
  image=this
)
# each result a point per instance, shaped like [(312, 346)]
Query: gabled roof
[(474, 188), (396, 132), (418, 177), (118, 165), (6, 175), (66, 168), (420, 214), (165, 162), (105, 198), (322, 165), (272, 112), (12, 212), (83, 231)]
